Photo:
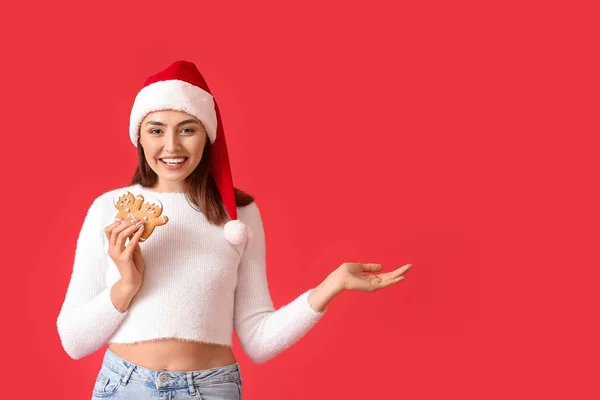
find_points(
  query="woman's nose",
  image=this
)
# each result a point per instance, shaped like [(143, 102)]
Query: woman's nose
[(171, 142)]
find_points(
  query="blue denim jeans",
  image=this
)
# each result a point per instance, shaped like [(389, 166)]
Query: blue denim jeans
[(120, 379)]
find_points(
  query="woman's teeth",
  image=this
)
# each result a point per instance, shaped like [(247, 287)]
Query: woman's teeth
[(172, 161)]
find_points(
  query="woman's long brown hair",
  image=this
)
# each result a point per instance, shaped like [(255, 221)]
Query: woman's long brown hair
[(200, 188)]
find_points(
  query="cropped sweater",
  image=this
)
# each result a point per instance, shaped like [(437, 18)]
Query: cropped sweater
[(197, 286)]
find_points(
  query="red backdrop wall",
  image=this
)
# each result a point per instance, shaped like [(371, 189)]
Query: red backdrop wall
[(460, 137)]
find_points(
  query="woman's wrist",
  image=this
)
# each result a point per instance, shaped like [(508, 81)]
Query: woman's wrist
[(321, 296), (121, 295)]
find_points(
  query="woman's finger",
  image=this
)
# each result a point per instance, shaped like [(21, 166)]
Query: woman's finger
[(389, 282), (400, 271), (124, 234), (395, 274), (109, 228), (115, 232), (371, 267), (133, 242), (398, 279)]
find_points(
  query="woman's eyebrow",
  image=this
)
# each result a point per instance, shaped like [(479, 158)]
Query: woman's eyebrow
[(187, 121)]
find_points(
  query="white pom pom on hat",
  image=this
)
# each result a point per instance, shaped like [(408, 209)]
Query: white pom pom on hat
[(181, 87), (236, 232)]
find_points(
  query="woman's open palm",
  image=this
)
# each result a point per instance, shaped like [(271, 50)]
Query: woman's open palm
[(354, 276)]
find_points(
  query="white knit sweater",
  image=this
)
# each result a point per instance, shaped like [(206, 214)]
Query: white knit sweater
[(197, 286)]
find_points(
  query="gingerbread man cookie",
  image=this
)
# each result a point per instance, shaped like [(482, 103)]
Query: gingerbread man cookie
[(151, 213), (127, 204)]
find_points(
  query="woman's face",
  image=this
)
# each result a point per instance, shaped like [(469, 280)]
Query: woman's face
[(172, 135)]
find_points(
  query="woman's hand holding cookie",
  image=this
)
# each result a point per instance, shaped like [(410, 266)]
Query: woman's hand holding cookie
[(128, 259)]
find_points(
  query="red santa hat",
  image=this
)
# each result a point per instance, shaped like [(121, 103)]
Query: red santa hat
[(181, 87)]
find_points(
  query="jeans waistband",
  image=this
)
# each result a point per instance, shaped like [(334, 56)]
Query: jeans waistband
[(168, 379)]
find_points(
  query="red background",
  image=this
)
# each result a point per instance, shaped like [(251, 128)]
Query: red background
[(458, 136)]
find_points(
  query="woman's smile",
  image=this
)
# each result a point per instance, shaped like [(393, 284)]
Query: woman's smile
[(173, 163)]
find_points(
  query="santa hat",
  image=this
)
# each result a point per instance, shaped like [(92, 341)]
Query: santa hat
[(181, 87)]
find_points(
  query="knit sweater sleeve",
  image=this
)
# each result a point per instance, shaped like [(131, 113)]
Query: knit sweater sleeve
[(88, 318), (264, 332)]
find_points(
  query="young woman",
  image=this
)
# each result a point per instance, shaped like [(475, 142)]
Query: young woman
[(165, 285)]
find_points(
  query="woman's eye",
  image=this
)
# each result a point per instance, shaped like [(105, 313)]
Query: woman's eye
[(190, 130)]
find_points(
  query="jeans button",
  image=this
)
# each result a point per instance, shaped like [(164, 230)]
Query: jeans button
[(164, 378)]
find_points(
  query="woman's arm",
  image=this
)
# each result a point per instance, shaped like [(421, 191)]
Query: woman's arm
[(263, 331), (322, 295), (88, 317)]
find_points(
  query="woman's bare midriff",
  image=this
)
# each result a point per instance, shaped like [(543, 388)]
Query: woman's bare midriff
[(174, 355)]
